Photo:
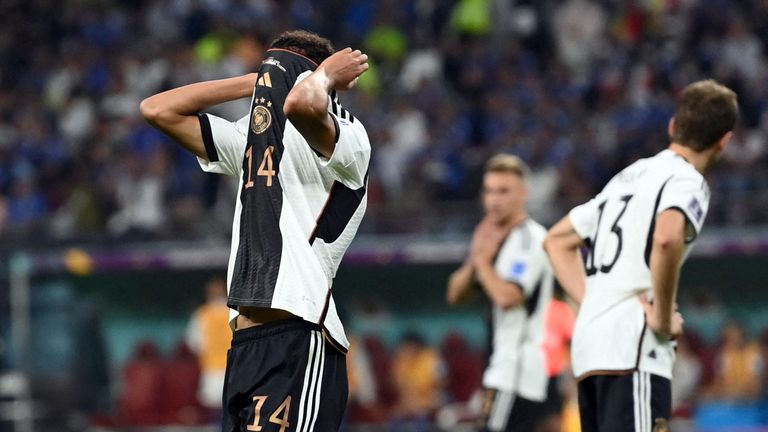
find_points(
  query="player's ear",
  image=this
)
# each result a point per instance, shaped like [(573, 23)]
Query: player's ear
[(724, 141), (671, 127)]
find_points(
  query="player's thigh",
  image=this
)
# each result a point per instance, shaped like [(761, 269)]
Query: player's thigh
[(277, 377), (330, 400), (661, 403), (615, 403), (552, 410), (526, 415), (496, 410), (588, 403), (554, 403), (651, 403), (639, 402)]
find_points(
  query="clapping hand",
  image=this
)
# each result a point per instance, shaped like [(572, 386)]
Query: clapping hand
[(486, 241)]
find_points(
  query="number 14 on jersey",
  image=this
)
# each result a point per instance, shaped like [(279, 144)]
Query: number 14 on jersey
[(266, 168)]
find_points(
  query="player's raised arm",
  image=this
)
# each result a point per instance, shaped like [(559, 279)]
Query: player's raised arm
[(306, 106), (486, 243), (563, 245), (503, 293), (174, 112), (460, 284)]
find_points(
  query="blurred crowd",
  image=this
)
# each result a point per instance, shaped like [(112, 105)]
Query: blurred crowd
[(577, 88)]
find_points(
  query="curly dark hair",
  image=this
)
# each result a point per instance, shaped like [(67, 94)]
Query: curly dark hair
[(308, 44)]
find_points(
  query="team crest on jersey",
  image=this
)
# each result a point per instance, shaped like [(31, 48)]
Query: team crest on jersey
[(661, 425), (261, 119)]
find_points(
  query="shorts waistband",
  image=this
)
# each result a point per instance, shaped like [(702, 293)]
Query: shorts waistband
[(272, 328)]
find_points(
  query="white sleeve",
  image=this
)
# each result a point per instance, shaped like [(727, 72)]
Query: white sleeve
[(224, 144), (584, 218), (526, 271), (688, 194), (524, 267), (350, 158)]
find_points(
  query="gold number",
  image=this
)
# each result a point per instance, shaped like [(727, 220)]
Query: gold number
[(249, 154), (269, 172), (266, 168), (284, 408), (257, 416), (279, 417)]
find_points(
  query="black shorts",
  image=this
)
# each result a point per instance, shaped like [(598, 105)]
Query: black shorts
[(640, 402), (554, 403), (506, 412), (284, 376)]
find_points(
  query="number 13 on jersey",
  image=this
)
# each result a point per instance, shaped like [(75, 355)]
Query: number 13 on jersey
[(590, 266), (266, 168)]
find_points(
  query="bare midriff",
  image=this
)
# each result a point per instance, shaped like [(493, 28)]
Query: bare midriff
[(254, 316)]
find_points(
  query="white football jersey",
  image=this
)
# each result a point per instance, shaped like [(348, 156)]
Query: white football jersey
[(618, 224), (518, 362), (296, 212)]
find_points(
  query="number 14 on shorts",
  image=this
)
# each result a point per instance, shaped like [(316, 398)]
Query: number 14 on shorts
[(278, 417)]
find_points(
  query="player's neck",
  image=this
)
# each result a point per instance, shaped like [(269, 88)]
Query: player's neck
[(514, 220), (699, 160)]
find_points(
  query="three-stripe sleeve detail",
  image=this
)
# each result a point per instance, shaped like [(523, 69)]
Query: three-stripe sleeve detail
[(338, 110)]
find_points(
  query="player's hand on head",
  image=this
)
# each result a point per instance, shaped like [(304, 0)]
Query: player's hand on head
[(675, 328), (344, 67)]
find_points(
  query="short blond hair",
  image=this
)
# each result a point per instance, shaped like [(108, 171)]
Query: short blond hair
[(507, 163)]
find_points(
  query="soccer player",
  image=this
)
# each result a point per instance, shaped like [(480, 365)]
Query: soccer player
[(637, 233), (302, 160), (209, 337), (507, 261)]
